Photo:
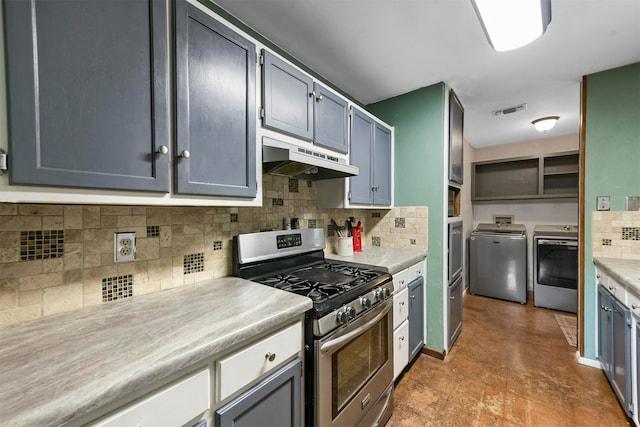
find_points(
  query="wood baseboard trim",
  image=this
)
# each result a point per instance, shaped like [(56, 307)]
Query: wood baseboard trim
[(433, 353)]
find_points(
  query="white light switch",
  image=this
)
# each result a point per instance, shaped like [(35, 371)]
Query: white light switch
[(602, 203)]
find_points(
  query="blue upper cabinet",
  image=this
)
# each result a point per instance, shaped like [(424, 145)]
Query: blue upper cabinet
[(456, 138), (215, 107), (382, 165), (88, 94), (296, 105), (330, 120), (360, 187), (287, 98), (371, 153)]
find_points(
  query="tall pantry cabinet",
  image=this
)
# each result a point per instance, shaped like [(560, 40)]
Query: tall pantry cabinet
[(421, 120)]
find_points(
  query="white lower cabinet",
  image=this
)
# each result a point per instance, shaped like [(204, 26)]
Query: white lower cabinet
[(400, 348), (404, 322), (257, 384), (250, 363), (173, 405)]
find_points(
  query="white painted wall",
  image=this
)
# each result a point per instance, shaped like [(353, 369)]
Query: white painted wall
[(527, 212)]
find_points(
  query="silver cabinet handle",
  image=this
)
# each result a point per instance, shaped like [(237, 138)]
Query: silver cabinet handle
[(611, 287), (312, 94), (634, 306), (163, 149), (412, 296), (452, 297), (319, 98), (598, 276), (401, 338), (270, 356), (185, 154), (401, 302)]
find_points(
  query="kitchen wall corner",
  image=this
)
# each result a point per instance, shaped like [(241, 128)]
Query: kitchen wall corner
[(59, 258)]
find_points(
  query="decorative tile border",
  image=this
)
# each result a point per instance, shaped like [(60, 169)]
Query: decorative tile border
[(193, 263), (293, 185), (44, 244), (153, 231), (115, 288), (630, 233)]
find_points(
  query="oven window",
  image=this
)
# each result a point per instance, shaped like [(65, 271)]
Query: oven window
[(558, 265), (355, 363)]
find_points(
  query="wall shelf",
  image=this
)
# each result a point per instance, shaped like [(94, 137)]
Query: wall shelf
[(533, 177)]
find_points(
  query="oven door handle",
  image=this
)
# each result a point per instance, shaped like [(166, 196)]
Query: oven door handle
[(327, 346), (387, 399)]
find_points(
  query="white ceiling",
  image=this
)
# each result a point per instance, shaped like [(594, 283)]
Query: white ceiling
[(375, 49)]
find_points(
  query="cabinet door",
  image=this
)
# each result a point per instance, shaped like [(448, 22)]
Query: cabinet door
[(87, 93), (400, 348), (382, 165), (416, 317), (621, 360), (604, 330), (330, 120), (215, 107), (456, 138), (287, 98), (361, 155), (276, 401), (455, 310), (455, 250)]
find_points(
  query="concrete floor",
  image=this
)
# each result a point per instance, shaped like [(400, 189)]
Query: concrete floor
[(511, 366)]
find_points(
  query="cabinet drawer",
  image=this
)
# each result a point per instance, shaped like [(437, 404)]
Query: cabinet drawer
[(633, 302), (417, 270), (250, 363), (400, 307), (171, 406), (400, 280)]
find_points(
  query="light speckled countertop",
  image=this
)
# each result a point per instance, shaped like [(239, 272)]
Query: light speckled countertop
[(394, 260), (58, 369), (625, 272)]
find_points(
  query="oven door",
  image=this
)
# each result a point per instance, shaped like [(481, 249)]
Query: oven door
[(557, 263), (354, 371)]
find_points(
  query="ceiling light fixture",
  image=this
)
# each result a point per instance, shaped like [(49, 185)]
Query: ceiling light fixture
[(510, 24), (544, 124)]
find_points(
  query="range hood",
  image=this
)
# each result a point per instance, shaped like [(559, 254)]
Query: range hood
[(283, 158)]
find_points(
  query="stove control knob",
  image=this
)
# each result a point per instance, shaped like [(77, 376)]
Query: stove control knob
[(366, 302), (378, 295), (342, 317), (351, 312), (386, 292)]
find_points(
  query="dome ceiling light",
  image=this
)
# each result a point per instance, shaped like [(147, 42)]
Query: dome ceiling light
[(510, 24), (544, 124)]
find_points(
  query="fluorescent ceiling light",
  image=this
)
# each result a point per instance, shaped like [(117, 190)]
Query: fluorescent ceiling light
[(510, 24), (544, 124)]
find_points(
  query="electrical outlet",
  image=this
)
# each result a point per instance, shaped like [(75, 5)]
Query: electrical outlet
[(602, 203), (124, 247)]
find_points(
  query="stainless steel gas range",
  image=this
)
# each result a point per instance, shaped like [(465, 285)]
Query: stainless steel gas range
[(348, 332)]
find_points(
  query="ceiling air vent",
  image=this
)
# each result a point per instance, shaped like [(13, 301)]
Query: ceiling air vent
[(510, 110)]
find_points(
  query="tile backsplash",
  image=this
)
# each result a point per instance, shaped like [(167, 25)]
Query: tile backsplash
[(59, 258), (616, 234)]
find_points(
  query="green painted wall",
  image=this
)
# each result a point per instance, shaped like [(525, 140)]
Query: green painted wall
[(612, 161), (418, 118)]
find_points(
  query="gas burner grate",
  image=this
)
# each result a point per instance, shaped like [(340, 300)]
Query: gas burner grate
[(361, 273), (317, 291)]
